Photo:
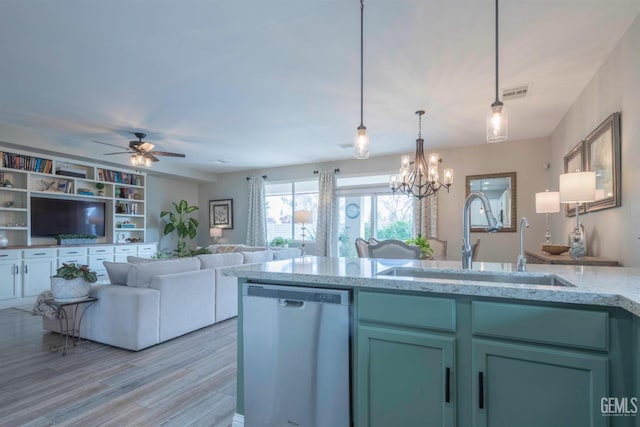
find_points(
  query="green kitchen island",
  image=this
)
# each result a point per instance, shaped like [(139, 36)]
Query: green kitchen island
[(433, 345)]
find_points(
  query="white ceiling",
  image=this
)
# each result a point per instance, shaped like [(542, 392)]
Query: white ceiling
[(273, 83)]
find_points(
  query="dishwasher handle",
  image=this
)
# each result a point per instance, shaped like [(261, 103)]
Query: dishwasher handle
[(290, 303)]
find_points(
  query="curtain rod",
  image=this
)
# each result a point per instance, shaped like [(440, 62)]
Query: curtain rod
[(263, 177), (336, 170)]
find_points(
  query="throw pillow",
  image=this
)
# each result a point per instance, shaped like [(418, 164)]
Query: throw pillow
[(140, 275), (287, 253), (219, 260), (117, 272), (254, 257)]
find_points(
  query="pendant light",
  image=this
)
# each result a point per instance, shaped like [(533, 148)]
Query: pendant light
[(497, 120), (361, 141)]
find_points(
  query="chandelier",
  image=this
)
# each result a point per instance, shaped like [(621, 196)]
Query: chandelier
[(420, 178)]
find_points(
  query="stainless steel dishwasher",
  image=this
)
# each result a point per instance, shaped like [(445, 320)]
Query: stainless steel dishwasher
[(296, 356)]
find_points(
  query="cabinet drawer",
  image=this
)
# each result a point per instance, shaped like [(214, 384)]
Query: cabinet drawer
[(78, 260), (10, 254), (96, 261), (99, 250), (548, 325), (407, 310), (126, 250), (147, 248), (39, 253), (72, 252)]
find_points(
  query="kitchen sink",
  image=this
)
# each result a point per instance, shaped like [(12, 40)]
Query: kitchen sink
[(479, 276)]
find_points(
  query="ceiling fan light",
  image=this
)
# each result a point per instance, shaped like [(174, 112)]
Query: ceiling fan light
[(497, 124)]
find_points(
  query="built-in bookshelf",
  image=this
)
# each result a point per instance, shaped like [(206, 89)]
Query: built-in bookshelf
[(24, 175)]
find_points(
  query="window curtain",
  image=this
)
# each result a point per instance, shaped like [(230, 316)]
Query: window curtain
[(257, 221), (426, 224), (326, 221)]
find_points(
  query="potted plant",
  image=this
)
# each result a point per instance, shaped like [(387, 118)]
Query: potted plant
[(100, 188), (76, 239), (72, 281), (280, 242), (425, 247), (181, 223)]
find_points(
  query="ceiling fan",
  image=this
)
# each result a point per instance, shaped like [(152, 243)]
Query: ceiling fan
[(142, 152)]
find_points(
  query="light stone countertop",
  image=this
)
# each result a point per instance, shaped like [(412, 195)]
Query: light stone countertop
[(606, 286)]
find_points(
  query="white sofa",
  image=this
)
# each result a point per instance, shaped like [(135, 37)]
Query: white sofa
[(148, 302)]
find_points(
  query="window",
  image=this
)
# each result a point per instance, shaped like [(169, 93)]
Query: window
[(367, 208), (282, 199)]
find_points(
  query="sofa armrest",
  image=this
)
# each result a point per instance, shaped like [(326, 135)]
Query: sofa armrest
[(123, 316), (187, 301)]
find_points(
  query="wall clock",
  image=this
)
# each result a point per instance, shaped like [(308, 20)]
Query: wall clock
[(122, 238), (352, 210)]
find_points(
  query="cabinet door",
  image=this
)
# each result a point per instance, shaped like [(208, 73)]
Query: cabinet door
[(527, 386), (405, 378), (36, 276), (8, 284)]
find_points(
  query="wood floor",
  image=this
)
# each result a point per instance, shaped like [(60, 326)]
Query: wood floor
[(188, 381)]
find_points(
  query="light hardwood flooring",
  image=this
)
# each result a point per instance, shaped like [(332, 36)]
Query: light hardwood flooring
[(188, 381)]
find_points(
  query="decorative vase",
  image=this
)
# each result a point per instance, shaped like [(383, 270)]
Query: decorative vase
[(3, 241), (578, 242), (63, 289)]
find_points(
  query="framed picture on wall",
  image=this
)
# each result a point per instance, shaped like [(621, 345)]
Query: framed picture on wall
[(602, 151), (574, 161), (221, 213)]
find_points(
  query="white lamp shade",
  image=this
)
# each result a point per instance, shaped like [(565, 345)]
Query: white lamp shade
[(578, 187), (215, 232), (304, 217), (548, 202)]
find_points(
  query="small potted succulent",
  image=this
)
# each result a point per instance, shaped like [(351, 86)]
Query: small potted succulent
[(100, 188), (72, 281)]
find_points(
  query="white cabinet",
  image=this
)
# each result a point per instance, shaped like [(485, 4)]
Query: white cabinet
[(97, 256), (147, 250), (38, 265), (122, 252), (10, 261), (75, 255)]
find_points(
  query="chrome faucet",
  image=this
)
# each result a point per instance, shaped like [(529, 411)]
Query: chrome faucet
[(467, 254), (521, 265)]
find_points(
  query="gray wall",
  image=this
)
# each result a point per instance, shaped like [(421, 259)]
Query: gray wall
[(612, 233), (161, 192)]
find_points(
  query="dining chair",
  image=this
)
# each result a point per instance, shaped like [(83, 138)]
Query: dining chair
[(394, 249), (362, 248), (439, 248)]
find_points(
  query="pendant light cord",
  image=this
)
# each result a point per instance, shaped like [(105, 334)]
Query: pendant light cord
[(361, 63), (497, 101)]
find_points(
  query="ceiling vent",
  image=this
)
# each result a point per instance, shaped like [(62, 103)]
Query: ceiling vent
[(516, 92)]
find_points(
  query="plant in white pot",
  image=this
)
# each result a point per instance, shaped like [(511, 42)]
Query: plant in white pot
[(72, 281)]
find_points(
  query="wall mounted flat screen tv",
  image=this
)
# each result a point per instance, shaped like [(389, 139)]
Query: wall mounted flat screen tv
[(51, 217)]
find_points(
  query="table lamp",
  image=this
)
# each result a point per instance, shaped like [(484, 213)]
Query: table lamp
[(215, 233), (303, 217), (548, 202), (577, 187)]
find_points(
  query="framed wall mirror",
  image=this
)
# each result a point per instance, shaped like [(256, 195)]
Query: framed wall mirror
[(500, 189), (602, 156)]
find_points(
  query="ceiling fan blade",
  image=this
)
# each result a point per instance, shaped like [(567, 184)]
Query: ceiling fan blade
[(151, 157), (118, 152), (166, 153), (106, 143), (146, 146)]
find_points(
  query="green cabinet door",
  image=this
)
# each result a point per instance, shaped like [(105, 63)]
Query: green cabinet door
[(404, 378), (529, 386)]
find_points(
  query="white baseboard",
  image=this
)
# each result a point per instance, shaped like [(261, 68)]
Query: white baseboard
[(238, 420)]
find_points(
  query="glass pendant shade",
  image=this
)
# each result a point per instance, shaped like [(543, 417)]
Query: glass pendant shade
[(497, 124), (361, 143)]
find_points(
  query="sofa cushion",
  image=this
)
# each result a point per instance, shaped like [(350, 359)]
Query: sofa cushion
[(117, 272), (140, 274), (219, 260), (286, 253), (134, 259), (259, 256)]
